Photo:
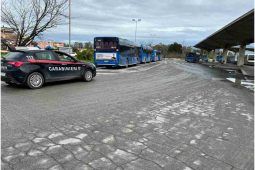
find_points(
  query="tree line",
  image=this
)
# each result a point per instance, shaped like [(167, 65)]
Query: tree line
[(167, 50)]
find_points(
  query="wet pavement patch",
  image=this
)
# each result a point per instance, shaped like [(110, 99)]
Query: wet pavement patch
[(236, 77), (249, 84)]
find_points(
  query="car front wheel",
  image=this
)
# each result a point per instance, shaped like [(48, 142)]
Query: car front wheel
[(88, 75), (35, 80)]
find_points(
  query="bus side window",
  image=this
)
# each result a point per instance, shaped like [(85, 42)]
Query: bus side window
[(101, 44), (110, 45), (106, 45), (97, 45)]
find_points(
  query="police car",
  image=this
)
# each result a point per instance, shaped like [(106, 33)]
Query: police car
[(36, 67)]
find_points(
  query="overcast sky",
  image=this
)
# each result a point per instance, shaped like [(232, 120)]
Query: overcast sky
[(165, 21)]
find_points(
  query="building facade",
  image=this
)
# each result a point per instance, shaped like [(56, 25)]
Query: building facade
[(44, 44)]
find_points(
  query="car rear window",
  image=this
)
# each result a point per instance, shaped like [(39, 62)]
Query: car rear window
[(14, 56)]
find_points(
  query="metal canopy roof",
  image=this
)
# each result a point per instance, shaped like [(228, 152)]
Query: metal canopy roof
[(240, 31), (236, 49)]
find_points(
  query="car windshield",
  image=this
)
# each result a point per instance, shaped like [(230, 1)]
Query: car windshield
[(14, 56)]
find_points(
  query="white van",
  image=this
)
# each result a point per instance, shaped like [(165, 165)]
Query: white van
[(249, 59)]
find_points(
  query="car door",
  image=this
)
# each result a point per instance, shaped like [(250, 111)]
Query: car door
[(49, 64), (70, 66)]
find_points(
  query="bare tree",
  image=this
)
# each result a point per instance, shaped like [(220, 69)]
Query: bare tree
[(30, 18)]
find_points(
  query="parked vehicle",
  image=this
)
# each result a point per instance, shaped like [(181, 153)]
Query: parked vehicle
[(220, 59), (204, 58), (192, 57), (115, 52), (67, 50), (154, 56), (249, 59), (145, 54), (232, 59), (159, 55), (33, 68)]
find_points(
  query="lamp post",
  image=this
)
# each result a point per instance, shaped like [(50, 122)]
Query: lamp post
[(69, 16), (136, 20)]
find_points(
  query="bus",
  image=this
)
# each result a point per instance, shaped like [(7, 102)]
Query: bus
[(149, 51), (145, 54), (115, 52), (159, 55), (154, 56)]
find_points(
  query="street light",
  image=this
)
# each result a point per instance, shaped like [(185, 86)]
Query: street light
[(136, 20)]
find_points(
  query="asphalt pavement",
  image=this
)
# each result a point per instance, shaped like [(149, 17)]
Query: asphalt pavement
[(165, 115)]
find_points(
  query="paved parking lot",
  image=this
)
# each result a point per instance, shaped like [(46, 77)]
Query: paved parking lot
[(169, 115)]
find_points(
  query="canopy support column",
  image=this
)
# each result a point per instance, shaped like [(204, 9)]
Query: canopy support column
[(211, 54), (240, 59), (214, 56), (224, 54)]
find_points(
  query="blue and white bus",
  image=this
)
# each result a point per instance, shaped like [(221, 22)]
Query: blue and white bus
[(154, 56), (115, 52), (142, 55), (159, 55), (149, 53), (145, 54)]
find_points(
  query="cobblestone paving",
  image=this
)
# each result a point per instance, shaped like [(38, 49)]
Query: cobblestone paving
[(186, 131)]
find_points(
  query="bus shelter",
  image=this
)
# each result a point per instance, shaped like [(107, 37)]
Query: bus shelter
[(239, 32)]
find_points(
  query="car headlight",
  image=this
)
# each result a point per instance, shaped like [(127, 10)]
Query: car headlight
[(93, 65)]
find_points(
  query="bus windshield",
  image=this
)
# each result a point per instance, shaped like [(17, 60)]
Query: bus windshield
[(106, 43)]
